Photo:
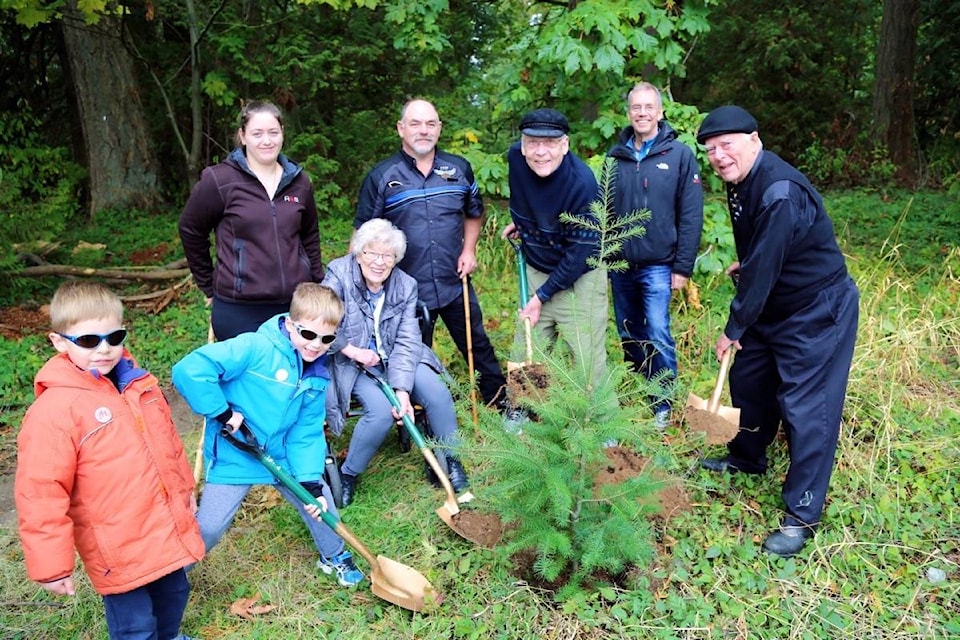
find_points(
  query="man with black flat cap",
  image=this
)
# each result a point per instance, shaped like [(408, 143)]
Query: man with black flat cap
[(793, 321), (569, 298)]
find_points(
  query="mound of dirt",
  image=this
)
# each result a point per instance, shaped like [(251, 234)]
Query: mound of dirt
[(717, 429)]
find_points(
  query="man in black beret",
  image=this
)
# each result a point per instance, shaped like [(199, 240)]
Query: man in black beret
[(793, 321), (568, 297)]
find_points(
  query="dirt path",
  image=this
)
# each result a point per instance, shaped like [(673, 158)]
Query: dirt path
[(184, 418)]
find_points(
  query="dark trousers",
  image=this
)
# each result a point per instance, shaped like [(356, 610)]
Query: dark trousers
[(230, 319), (150, 612), (491, 383), (794, 371)]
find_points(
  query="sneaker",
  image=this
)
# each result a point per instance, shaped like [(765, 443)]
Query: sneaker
[(514, 419), (341, 566), (661, 419), (610, 444)]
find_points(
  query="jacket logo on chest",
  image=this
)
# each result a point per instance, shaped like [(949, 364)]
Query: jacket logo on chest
[(292, 199), (281, 375), (663, 166), (446, 172), (102, 415)]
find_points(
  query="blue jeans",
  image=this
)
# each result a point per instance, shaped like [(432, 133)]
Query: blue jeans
[(150, 612), (219, 504), (641, 304)]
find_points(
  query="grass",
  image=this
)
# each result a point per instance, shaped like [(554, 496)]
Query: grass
[(891, 516)]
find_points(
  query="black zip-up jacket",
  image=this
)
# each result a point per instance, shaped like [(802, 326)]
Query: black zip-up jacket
[(264, 247), (667, 184)]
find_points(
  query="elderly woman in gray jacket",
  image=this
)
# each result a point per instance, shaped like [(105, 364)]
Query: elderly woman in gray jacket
[(380, 331)]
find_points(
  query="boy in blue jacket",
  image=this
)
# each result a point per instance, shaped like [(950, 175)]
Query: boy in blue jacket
[(275, 379)]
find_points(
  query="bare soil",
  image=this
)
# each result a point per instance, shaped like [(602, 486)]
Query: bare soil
[(717, 429), (485, 529)]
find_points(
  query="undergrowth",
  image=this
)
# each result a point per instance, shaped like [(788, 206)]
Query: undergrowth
[(890, 526)]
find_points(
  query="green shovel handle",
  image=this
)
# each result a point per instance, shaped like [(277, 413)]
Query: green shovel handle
[(250, 445), (415, 434)]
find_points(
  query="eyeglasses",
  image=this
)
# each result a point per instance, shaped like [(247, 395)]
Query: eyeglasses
[(310, 335), (724, 145), (93, 340), (547, 143), (640, 108), (373, 256)]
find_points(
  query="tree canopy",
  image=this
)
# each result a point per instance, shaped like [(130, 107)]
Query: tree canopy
[(341, 69)]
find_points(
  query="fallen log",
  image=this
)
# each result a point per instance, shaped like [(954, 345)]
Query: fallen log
[(137, 275)]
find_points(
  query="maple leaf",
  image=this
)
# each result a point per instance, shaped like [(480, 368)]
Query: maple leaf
[(247, 608)]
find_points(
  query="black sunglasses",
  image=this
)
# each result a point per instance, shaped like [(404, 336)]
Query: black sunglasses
[(93, 340), (309, 335)]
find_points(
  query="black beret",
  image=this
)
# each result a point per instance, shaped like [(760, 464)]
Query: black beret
[(726, 119), (545, 123)]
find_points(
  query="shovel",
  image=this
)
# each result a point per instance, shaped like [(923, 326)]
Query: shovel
[(389, 579), (473, 374), (720, 423), (451, 507), (524, 297)]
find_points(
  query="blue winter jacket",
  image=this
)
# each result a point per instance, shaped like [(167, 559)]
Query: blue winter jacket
[(260, 375)]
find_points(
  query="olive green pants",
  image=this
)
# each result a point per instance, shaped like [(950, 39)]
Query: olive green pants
[(577, 315)]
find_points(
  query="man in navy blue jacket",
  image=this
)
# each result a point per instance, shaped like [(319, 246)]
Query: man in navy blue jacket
[(793, 322), (569, 298), (657, 173)]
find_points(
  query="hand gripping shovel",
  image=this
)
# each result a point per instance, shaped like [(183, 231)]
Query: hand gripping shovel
[(390, 580), (451, 507), (721, 424)]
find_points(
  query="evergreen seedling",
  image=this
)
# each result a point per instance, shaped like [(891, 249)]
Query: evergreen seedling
[(547, 485)]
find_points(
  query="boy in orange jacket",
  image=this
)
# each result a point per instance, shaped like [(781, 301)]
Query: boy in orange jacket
[(100, 467)]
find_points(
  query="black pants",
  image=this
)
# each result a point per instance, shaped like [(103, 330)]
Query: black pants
[(795, 371), (230, 319), (491, 383)]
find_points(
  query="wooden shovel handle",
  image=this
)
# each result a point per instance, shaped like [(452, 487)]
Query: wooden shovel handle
[(469, 328), (528, 358), (714, 403)]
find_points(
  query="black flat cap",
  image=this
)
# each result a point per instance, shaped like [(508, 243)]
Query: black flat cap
[(545, 123), (726, 119)]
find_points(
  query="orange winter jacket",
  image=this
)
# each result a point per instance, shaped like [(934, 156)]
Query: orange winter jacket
[(104, 471)]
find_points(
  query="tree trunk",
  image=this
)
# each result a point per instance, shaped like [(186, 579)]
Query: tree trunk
[(893, 93), (119, 155)]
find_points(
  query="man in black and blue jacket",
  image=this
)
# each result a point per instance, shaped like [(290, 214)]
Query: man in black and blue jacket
[(657, 173), (433, 198)]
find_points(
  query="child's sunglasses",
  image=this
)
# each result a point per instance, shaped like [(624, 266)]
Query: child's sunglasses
[(310, 335), (93, 340)]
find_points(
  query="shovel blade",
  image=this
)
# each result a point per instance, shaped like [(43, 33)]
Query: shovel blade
[(696, 402), (401, 585)]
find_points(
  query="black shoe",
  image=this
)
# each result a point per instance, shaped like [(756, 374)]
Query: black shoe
[(458, 475), (723, 465), (403, 438), (787, 541), (348, 487), (430, 475)]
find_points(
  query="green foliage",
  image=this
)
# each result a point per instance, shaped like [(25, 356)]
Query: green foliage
[(611, 229), (799, 69), (548, 487), (39, 186)]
